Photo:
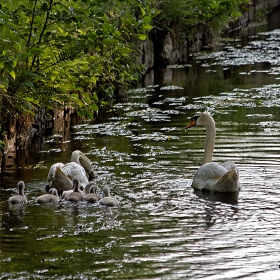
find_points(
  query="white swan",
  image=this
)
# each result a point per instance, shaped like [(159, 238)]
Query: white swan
[(212, 176), (60, 175), (20, 197), (108, 200)]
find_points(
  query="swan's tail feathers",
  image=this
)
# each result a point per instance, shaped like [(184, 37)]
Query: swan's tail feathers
[(228, 182), (60, 181)]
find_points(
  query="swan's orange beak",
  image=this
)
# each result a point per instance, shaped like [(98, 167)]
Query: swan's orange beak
[(191, 124)]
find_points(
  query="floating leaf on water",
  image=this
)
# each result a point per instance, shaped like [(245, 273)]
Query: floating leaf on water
[(174, 100), (51, 150), (266, 116), (82, 138), (271, 124), (171, 112), (158, 103), (152, 86), (171, 88), (142, 90), (178, 66), (168, 129), (211, 71)]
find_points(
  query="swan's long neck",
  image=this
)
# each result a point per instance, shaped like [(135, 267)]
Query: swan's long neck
[(82, 159), (76, 185), (75, 157), (210, 142), (21, 188)]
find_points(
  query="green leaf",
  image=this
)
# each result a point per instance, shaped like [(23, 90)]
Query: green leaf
[(147, 19), (142, 37), (15, 62), (147, 27), (25, 55), (36, 51), (142, 11), (27, 83), (9, 66), (17, 46), (108, 41), (4, 81), (93, 107), (95, 97), (13, 74)]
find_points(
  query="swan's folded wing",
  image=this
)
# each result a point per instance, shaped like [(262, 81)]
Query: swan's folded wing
[(216, 178), (228, 182), (229, 165), (210, 170), (207, 175), (74, 170), (53, 170), (61, 181)]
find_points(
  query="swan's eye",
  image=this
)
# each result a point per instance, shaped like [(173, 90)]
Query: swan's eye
[(195, 118)]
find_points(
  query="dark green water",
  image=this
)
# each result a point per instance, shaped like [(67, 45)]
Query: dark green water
[(163, 228)]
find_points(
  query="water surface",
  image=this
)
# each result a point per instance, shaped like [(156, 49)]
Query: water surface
[(163, 228)]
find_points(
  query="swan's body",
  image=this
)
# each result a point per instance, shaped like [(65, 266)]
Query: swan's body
[(108, 200), (51, 197), (77, 194), (92, 196), (212, 176), (20, 197), (61, 175)]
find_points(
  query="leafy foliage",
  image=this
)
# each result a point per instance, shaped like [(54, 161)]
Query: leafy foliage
[(79, 53), (68, 53), (197, 15)]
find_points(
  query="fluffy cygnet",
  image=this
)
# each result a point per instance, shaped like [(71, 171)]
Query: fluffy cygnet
[(92, 197), (88, 186), (108, 200), (20, 197), (77, 194), (51, 197)]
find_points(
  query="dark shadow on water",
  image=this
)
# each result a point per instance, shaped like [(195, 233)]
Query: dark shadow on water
[(229, 198)]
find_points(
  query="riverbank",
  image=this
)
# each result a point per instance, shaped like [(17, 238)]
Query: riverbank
[(171, 46)]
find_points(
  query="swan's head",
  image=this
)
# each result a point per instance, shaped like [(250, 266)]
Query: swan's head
[(203, 119), (21, 185), (76, 182)]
